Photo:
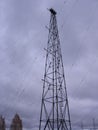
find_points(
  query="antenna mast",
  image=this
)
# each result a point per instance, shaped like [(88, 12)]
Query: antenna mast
[(54, 107)]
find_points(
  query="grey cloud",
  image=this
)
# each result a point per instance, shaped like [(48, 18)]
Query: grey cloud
[(22, 39)]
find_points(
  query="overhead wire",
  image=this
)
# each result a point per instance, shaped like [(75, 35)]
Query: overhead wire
[(82, 80), (73, 64), (17, 97), (65, 19), (87, 29), (19, 92)]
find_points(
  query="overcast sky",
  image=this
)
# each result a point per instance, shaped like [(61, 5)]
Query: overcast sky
[(23, 37)]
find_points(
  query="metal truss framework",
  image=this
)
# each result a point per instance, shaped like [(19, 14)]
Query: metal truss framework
[(54, 108)]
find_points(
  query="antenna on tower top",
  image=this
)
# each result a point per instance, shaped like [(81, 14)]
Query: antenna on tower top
[(52, 11)]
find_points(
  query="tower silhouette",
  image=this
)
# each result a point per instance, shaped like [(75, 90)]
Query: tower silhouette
[(16, 123), (2, 123), (54, 107)]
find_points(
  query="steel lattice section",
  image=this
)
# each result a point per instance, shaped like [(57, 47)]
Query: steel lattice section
[(54, 108)]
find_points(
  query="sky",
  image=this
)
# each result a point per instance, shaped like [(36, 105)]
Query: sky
[(23, 37)]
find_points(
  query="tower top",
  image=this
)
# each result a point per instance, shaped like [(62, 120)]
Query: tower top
[(52, 11)]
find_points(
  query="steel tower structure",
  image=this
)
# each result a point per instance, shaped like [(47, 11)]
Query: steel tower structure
[(54, 108)]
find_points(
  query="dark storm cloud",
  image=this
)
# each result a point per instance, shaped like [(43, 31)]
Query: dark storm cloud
[(22, 39)]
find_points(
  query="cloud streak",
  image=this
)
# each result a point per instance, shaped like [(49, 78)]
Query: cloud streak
[(22, 39)]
